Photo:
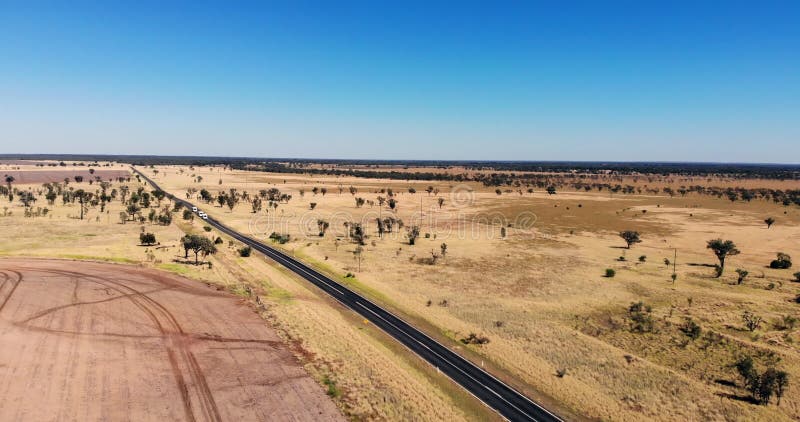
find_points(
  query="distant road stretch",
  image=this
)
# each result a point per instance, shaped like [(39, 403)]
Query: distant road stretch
[(507, 401)]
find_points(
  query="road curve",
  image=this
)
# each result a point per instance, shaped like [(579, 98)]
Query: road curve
[(504, 399)]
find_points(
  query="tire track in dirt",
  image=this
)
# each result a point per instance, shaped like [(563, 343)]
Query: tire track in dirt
[(183, 388), (44, 312), (70, 340), (4, 280), (150, 307), (13, 288)]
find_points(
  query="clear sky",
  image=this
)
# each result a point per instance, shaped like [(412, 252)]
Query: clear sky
[(602, 80)]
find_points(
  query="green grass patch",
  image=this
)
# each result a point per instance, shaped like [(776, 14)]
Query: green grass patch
[(117, 259), (332, 390), (173, 267), (239, 290)]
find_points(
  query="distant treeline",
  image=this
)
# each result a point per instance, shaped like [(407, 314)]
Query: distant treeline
[(346, 167)]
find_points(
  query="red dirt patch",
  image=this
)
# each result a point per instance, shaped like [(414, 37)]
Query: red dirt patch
[(24, 177), (91, 341)]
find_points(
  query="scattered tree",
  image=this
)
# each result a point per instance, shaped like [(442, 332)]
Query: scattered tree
[(630, 237), (412, 234), (762, 386), (200, 245), (322, 225), (357, 253), (722, 249), (742, 274), (147, 239)]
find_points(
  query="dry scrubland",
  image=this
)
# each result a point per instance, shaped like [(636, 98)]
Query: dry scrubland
[(558, 328), (366, 374)]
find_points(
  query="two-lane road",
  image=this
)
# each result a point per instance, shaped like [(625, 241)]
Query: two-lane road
[(507, 401)]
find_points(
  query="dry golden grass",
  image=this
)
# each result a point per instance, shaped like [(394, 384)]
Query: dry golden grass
[(539, 293)]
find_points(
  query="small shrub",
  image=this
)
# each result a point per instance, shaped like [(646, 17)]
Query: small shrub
[(787, 322), (218, 241), (643, 258), (797, 276), (691, 329), (207, 228), (245, 251), (332, 391), (561, 372), (782, 262), (742, 275), (610, 273), (472, 338), (751, 321), (640, 316), (279, 238)]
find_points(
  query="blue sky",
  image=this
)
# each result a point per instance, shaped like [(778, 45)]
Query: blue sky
[(657, 81)]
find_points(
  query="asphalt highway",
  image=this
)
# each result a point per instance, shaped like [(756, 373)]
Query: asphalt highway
[(504, 399)]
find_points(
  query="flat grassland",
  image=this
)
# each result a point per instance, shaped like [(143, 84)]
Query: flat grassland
[(366, 374), (526, 271)]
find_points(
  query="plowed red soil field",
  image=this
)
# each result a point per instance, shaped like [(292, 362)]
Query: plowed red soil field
[(91, 341), (47, 176)]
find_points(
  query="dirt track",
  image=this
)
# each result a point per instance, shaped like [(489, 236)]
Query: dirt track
[(90, 341)]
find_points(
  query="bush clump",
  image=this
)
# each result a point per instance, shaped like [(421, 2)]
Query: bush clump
[(782, 262), (640, 317), (691, 329), (473, 338), (610, 273), (147, 238), (245, 251), (280, 238), (762, 385)]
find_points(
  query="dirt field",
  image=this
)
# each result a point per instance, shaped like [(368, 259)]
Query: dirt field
[(46, 176), (90, 341)]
